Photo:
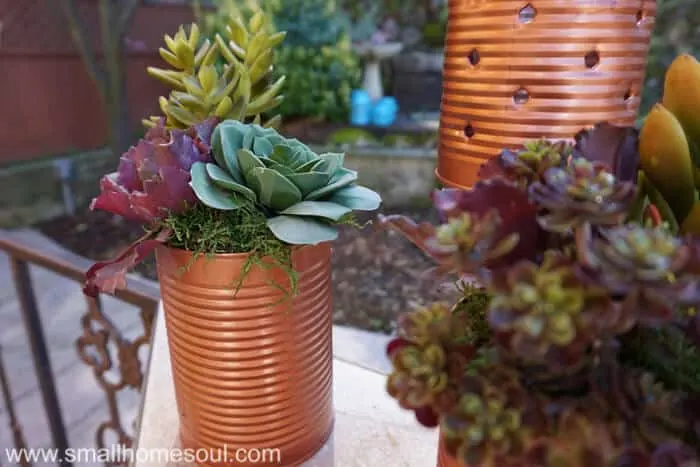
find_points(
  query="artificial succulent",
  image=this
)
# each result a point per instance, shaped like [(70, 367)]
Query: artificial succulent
[(529, 163), (549, 313), (302, 193), (580, 193), (670, 148), (588, 313), (644, 265), (152, 180), (150, 184), (241, 89)]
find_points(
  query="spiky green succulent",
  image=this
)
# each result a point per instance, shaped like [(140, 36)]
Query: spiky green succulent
[(242, 89), (302, 193), (583, 192)]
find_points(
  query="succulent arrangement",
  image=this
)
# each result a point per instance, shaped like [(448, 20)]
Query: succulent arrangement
[(670, 149), (209, 177), (302, 192), (577, 341)]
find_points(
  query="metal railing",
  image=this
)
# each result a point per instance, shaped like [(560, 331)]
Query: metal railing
[(99, 333)]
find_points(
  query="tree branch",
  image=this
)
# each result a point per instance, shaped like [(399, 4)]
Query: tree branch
[(127, 12), (82, 42)]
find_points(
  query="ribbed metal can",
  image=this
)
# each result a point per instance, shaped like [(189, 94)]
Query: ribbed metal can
[(548, 68), (252, 370), (444, 459)]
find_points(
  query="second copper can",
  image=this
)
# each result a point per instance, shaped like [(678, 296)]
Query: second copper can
[(517, 70)]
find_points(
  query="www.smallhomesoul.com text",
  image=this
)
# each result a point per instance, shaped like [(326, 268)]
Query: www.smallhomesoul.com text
[(121, 454)]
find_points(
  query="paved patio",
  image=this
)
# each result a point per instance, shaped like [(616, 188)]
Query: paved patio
[(62, 305)]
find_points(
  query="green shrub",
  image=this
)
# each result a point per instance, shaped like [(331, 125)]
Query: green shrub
[(318, 60), (319, 80), (676, 32)]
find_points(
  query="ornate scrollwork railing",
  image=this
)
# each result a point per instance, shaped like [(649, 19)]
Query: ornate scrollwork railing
[(102, 345)]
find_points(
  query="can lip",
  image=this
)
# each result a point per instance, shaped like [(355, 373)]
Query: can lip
[(450, 183), (181, 251)]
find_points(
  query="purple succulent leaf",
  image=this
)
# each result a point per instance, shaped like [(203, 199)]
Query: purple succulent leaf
[(108, 276), (187, 150), (427, 417), (204, 130), (116, 199), (614, 146), (673, 454), (512, 204), (492, 169), (153, 176), (128, 174), (418, 234)]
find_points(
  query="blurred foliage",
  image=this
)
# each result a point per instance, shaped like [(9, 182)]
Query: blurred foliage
[(316, 56), (319, 80), (318, 60), (422, 22), (311, 23), (677, 31)]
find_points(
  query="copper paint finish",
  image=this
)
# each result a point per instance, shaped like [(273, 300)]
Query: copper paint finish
[(548, 68), (444, 459), (249, 373)]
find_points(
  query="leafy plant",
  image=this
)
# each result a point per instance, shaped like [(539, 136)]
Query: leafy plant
[(670, 149), (542, 364), (312, 23), (318, 60), (241, 89), (302, 193), (320, 81)]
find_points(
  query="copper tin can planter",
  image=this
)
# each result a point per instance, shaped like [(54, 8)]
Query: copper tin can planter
[(548, 68), (251, 371), (444, 459)]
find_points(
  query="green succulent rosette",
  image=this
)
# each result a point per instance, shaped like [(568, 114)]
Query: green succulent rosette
[(303, 194)]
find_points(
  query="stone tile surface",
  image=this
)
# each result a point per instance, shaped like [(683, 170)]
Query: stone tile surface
[(360, 347), (61, 306), (370, 429)]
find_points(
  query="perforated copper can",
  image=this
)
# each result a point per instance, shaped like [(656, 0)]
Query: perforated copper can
[(252, 369), (548, 68)]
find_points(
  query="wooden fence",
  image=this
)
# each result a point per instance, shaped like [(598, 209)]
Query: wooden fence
[(48, 103)]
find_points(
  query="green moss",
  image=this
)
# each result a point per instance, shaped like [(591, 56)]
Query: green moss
[(473, 306), (665, 353), (208, 231)]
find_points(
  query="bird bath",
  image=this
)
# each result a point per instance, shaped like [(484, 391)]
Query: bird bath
[(373, 54)]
